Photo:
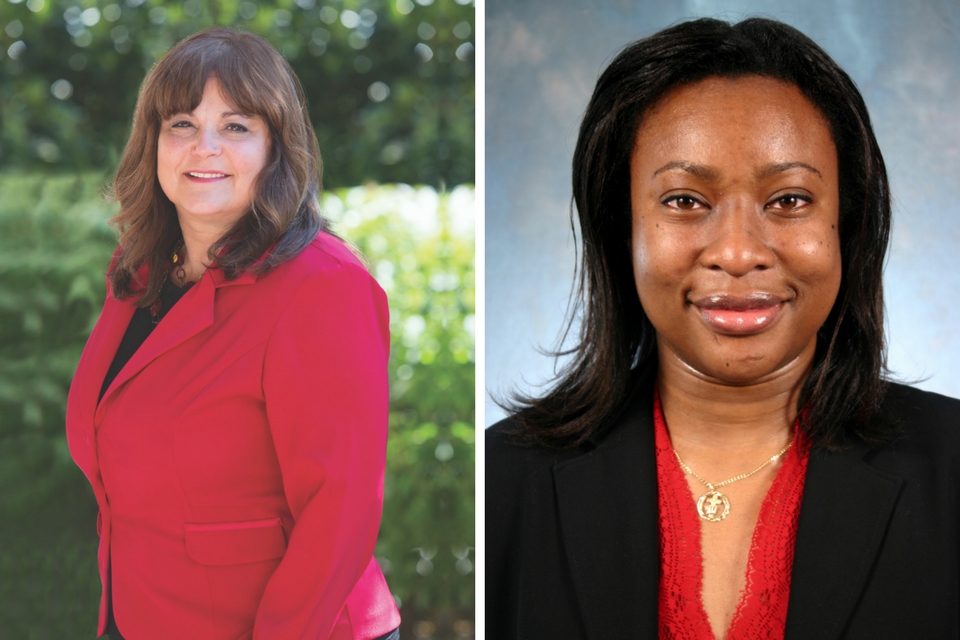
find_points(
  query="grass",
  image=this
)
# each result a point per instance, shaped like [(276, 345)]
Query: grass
[(49, 587)]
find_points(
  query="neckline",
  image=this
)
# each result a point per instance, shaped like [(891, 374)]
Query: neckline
[(769, 559)]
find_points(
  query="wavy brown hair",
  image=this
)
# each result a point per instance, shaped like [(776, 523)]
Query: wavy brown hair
[(284, 216), (844, 390)]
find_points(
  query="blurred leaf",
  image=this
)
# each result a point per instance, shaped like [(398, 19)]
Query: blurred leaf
[(427, 269), (389, 83)]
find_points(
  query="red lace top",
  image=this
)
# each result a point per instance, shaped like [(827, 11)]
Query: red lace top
[(761, 611)]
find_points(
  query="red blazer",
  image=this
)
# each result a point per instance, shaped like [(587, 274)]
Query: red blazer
[(238, 457)]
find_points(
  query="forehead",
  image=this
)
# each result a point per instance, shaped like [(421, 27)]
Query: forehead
[(718, 120), (214, 93)]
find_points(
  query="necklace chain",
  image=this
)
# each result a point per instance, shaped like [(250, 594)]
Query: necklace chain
[(714, 506), (716, 485), (176, 263)]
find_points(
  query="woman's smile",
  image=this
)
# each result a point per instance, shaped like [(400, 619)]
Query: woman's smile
[(205, 176), (739, 314)]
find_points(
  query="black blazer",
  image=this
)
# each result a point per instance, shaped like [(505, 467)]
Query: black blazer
[(572, 536)]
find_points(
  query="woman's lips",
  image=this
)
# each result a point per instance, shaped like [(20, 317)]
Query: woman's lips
[(205, 176), (739, 315)]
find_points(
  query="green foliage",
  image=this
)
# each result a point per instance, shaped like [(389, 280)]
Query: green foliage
[(420, 247), (390, 83), (54, 244), (54, 248), (53, 239)]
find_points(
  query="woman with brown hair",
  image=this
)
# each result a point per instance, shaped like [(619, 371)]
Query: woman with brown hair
[(230, 407), (722, 457)]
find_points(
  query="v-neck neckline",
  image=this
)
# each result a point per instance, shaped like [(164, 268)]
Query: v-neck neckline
[(761, 607)]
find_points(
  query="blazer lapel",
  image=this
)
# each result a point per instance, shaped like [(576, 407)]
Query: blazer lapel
[(607, 500), (847, 505), (191, 315), (94, 362)]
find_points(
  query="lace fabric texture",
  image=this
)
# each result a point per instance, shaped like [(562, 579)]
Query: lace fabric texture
[(761, 610)]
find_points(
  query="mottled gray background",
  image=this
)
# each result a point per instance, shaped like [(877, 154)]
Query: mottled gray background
[(542, 59)]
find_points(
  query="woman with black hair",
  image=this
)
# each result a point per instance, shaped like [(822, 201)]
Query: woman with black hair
[(722, 456)]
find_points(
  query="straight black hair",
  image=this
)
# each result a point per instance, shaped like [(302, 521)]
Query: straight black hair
[(846, 385)]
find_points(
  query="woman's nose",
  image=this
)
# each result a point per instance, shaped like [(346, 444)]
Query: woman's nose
[(207, 142), (737, 242)]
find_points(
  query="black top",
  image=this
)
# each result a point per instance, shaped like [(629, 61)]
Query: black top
[(141, 325), (572, 547)]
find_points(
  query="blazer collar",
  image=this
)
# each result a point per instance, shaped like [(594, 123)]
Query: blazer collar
[(607, 501), (220, 280), (192, 314)]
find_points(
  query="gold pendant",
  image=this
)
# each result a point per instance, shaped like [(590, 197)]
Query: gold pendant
[(713, 506)]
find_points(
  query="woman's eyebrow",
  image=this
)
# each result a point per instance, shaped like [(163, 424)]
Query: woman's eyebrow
[(713, 174), (699, 170), (780, 167), (225, 114)]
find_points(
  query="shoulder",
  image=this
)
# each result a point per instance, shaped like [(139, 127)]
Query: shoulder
[(512, 461), (924, 417), (518, 481), (326, 255), (326, 267), (520, 473), (928, 444), (902, 397), (324, 290), (327, 250), (325, 297)]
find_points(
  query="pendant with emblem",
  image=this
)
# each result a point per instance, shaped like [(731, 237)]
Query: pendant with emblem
[(713, 506)]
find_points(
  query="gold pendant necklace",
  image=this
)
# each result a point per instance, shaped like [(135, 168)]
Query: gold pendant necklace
[(176, 263), (714, 506)]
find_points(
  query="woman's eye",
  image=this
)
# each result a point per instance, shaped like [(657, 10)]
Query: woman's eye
[(789, 202), (683, 202), (239, 128), (182, 124)]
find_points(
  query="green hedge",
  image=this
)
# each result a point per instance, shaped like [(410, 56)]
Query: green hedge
[(389, 83), (54, 247)]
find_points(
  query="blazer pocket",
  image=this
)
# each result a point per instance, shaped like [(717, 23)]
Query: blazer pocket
[(224, 543)]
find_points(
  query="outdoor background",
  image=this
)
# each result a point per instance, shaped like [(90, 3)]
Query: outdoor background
[(390, 85), (542, 60)]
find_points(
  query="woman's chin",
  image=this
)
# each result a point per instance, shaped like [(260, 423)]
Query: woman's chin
[(741, 364), (742, 374)]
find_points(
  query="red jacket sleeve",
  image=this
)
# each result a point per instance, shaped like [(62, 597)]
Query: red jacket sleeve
[(325, 385)]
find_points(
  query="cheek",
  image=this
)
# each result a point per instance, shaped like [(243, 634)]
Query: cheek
[(818, 267), (163, 158), (662, 257), (168, 157), (165, 164), (817, 255), (254, 160)]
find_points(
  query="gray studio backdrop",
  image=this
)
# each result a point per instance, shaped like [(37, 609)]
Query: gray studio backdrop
[(542, 59)]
